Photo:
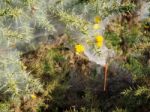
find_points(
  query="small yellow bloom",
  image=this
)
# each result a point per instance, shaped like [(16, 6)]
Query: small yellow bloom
[(96, 26), (99, 44), (79, 48), (99, 38), (97, 19), (33, 96), (99, 41)]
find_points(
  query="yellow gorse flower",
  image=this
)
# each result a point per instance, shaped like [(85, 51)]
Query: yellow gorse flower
[(96, 26), (33, 96), (97, 19), (99, 44), (79, 48), (99, 40)]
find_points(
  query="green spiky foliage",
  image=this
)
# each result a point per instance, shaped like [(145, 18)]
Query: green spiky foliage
[(131, 41), (15, 83), (137, 99)]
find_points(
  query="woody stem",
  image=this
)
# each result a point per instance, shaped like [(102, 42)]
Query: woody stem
[(105, 76)]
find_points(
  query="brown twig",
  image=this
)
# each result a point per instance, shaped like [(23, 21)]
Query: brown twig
[(105, 76)]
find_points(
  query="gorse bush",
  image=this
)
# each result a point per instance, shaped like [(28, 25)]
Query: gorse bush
[(15, 82), (22, 21)]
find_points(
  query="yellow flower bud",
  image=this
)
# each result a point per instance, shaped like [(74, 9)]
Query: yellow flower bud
[(99, 38), (99, 44), (33, 96), (97, 19), (99, 41), (96, 26), (79, 48)]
